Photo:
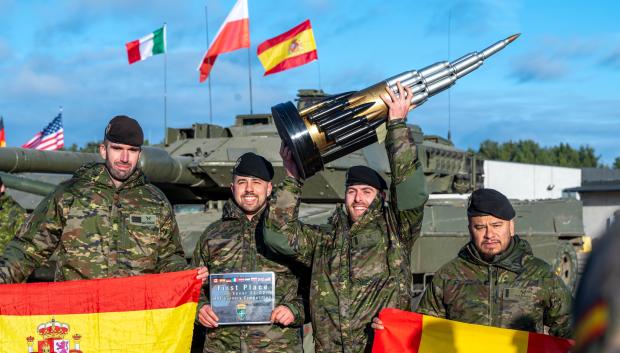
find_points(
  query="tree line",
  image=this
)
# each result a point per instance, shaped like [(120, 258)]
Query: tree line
[(529, 151)]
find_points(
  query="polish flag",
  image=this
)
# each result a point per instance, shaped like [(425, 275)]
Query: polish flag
[(234, 34)]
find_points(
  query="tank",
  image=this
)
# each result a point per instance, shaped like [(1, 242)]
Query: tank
[(194, 171)]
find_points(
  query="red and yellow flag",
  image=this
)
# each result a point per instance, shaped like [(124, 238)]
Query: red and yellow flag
[(2, 137), (288, 50), (407, 332), (233, 34), (151, 313)]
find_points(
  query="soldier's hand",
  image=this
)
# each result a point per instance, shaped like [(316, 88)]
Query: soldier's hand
[(288, 161), (203, 273), (282, 315), (377, 324), (398, 107), (207, 317)]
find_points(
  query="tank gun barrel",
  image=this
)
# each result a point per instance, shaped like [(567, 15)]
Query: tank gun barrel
[(156, 163), (315, 134), (19, 160), (27, 185)]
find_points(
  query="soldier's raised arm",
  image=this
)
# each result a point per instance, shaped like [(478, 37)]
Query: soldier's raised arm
[(284, 233), (36, 240), (408, 192)]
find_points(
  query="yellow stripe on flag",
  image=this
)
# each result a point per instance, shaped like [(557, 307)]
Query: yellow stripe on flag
[(446, 336), (159, 330), (300, 44), (593, 324)]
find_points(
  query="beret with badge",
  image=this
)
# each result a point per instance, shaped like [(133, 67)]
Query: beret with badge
[(252, 165), (490, 202), (362, 175), (125, 130)]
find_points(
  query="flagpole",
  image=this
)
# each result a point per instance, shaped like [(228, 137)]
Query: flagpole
[(319, 67), (209, 78), (250, 79), (165, 88), (449, 90)]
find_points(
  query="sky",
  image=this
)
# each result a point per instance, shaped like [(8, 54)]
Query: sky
[(558, 83)]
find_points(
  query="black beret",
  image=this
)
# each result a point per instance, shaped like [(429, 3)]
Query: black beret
[(485, 202), (252, 165), (125, 130), (363, 175)]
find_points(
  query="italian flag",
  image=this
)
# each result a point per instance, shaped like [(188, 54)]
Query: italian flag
[(147, 46), (407, 332), (150, 313)]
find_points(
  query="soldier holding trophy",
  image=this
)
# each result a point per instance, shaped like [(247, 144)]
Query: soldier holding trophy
[(360, 260), (250, 303)]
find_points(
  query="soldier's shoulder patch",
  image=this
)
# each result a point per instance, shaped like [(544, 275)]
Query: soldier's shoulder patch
[(143, 219)]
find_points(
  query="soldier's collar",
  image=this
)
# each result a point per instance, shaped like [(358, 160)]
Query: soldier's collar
[(232, 211), (510, 260)]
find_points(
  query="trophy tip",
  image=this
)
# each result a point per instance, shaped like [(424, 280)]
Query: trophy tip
[(513, 37)]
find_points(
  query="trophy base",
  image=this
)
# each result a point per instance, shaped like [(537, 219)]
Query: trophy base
[(295, 135)]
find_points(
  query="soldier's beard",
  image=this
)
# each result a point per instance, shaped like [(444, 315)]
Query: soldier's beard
[(119, 174)]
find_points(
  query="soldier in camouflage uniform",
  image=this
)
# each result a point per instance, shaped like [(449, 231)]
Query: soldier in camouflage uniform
[(495, 280), (12, 215), (106, 221), (597, 304), (360, 260), (235, 244)]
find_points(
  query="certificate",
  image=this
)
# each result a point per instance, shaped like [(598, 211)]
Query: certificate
[(242, 298)]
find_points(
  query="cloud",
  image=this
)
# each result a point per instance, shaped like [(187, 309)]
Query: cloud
[(612, 60), (472, 16), (538, 68), (574, 48), (78, 18), (5, 5), (30, 83), (321, 5), (5, 51), (551, 56)]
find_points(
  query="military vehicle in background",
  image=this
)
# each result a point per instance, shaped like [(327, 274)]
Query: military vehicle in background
[(194, 171)]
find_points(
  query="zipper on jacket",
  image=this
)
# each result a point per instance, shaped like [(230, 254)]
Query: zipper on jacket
[(117, 220), (490, 286)]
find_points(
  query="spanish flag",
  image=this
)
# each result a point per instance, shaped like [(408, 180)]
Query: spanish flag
[(288, 50), (2, 137), (407, 332), (151, 313)]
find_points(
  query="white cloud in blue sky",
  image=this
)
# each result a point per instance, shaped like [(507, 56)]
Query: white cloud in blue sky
[(557, 83)]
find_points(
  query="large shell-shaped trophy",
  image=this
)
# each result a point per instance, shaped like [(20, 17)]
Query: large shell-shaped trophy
[(346, 122)]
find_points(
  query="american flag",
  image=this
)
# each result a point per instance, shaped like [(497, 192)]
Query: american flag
[(51, 138)]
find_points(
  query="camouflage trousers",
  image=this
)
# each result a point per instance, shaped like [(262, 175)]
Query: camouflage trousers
[(253, 338)]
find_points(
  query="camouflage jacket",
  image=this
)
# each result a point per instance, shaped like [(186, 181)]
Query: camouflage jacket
[(516, 290), (356, 269), (97, 230), (12, 215), (235, 244)]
